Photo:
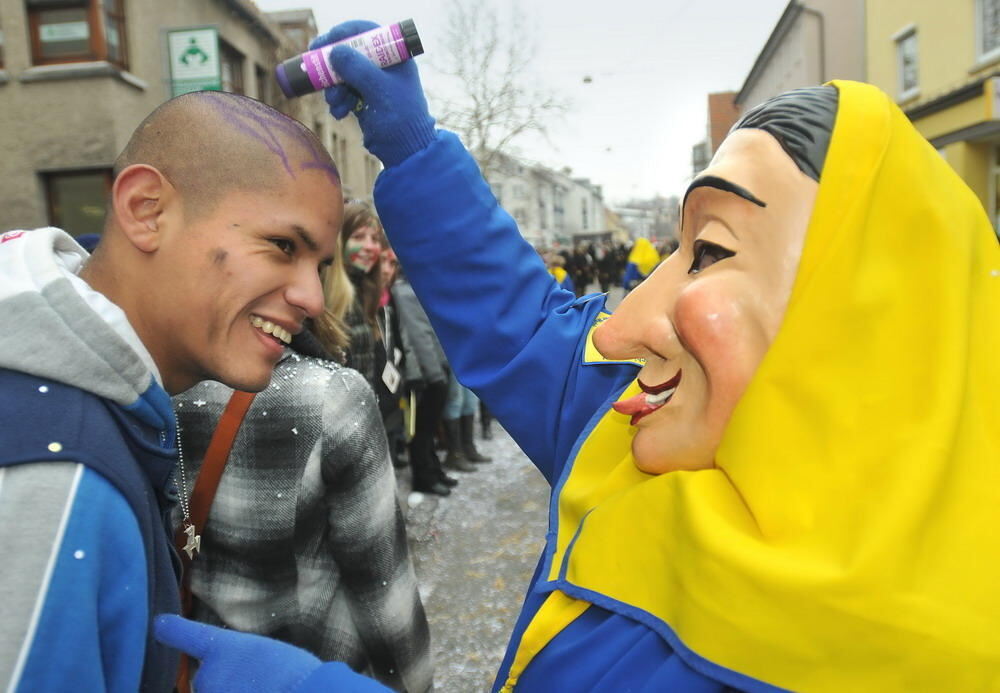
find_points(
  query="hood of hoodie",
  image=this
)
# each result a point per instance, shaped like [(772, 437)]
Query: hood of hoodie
[(65, 331)]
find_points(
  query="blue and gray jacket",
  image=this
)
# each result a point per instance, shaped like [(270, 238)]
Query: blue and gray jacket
[(86, 461)]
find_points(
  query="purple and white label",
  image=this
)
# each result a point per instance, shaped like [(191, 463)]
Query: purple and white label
[(316, 64), (384, 46)]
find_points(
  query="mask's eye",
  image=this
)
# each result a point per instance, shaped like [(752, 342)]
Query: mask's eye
[(707, 254)]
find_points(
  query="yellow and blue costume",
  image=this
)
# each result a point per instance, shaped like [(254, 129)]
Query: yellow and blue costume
[(642, 259), (845, 539), (562, 278)]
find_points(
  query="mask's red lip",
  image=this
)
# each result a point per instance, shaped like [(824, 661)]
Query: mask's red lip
[(662, 387), (638, 407)]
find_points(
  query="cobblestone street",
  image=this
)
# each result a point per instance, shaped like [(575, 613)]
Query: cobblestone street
[(474, 553)]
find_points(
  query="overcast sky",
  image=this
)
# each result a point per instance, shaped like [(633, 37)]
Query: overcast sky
[(652, 64)]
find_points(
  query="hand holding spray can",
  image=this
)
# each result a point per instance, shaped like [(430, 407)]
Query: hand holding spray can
[(384, 46)]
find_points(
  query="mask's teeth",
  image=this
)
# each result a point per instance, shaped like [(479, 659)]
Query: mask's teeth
[(660, 398)]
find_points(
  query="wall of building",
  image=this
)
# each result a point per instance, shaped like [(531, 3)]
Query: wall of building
[(722, 113), (70, 117), (787, 69), (813, 42), (946, 44), (549, 206), (955, 103), (67, 120), (971, 160)]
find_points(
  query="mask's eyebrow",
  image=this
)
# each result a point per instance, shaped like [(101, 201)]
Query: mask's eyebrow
[(722, 184)]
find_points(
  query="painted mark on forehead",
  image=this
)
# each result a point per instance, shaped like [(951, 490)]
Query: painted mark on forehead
[(325, 166), (219, 256), (266, 125), (259, 125)]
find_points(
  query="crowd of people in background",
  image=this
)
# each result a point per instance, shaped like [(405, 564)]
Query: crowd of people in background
[(587, 267)]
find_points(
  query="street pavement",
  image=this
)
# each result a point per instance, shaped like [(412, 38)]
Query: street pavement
[(474, 552)]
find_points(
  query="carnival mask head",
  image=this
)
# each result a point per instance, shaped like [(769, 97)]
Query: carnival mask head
[(707, 315)]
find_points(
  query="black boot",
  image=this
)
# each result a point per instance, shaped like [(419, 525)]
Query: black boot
[(468, 427), (485, 421), (426, 469), (449, 481), (456, 458)]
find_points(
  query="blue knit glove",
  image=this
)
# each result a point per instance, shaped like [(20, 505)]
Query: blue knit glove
[(231, 660), (392, 110)]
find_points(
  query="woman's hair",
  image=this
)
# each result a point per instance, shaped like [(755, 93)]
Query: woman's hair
[(802, 122), (338, 294), (367, 285), (383, 242)]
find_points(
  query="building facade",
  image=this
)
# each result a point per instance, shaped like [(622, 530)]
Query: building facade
[(813, 42), (722, 114), (551, 207), (656, 218), (941, 62), (78, 76)]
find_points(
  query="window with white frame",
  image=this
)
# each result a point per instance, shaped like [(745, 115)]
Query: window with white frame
[(906, 62), (987, 29)]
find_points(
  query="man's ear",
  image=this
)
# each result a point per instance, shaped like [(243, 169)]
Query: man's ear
[(139, 197)]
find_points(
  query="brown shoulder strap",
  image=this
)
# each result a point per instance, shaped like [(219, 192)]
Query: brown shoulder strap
[(201, 501), (216, 456), (213, 465)]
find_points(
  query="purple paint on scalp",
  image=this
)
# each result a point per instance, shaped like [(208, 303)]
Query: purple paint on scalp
[(328, 169), (259, 122)]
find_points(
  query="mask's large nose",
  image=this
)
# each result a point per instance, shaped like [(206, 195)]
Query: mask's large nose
[(641, 326)]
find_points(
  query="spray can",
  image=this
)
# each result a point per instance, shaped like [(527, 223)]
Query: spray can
[(384, 46)]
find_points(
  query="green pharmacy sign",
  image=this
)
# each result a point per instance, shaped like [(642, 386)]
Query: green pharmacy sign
[(194, 60)]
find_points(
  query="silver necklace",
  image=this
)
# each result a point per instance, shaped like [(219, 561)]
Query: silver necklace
[(193, 544)]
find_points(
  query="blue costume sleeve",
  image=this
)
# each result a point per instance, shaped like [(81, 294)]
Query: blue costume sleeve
[(511, 334), (81, 594)]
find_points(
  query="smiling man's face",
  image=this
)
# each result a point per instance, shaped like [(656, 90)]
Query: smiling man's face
[(242, 280), (705, 318)]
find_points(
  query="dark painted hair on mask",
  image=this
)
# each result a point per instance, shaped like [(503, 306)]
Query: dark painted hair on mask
[(802, 122)]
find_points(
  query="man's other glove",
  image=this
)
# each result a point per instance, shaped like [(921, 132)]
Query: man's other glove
[(233, 661), (388, 102)]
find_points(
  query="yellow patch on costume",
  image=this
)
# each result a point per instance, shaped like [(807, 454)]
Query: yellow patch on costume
[(590, 353)]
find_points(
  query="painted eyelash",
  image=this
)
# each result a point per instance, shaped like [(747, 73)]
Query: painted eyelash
[(701, 248)]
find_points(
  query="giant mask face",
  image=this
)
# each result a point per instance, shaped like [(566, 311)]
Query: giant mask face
[(705, 318)]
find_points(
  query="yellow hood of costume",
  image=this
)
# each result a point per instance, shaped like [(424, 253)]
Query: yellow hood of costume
[(848, 538), (644, 256)]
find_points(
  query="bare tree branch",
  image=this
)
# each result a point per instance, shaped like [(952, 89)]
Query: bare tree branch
[(489, 58)]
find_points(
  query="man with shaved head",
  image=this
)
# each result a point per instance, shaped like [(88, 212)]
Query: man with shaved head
[(222, 214)]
